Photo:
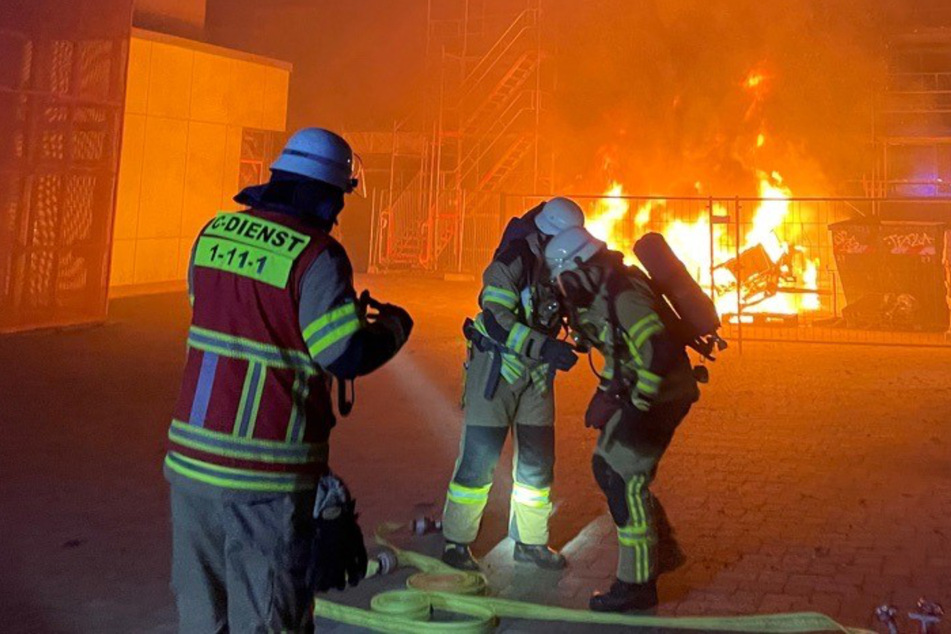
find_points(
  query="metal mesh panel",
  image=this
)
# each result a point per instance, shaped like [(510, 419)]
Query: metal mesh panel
[(61, 70), (89, 145), (52, 145), (95, 69), (77, 220), (45, 207), (56, 114), (72, 275), (62, 88), (40, 278)]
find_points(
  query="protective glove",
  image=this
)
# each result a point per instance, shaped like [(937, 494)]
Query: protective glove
[(642, 402), (338, 555), (559, 354), (397, 320)]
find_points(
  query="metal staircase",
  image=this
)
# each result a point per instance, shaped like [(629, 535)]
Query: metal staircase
[(484, 138)]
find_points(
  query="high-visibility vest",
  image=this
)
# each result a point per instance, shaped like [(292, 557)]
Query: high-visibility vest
[(254, 411)]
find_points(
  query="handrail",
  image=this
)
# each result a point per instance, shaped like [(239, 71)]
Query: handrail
[(918, 73), (413, 182), (521, 144), (491, 57), (526, 57), (472, 166), (496, 133), (503, 122)]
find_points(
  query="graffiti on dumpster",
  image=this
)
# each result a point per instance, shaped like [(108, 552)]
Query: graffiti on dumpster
[(846, 242), (913, 243)]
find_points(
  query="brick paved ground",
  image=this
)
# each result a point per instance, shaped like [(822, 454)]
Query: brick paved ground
[(808, 477)]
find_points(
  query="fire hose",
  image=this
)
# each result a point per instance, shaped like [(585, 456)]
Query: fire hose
[(438, 587)]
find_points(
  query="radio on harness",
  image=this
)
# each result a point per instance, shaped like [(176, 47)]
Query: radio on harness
[(687, 312)]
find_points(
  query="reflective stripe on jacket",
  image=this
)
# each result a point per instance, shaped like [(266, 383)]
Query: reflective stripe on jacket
[(254, 411)]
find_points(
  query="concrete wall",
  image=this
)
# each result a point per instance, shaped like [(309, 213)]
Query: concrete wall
[(186, 106)]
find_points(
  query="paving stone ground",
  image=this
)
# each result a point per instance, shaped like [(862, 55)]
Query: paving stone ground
[(809, 477)]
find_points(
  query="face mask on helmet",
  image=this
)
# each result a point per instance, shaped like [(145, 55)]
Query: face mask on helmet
[(578, 287)]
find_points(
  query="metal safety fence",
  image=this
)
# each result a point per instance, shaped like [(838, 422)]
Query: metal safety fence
[(836, 270)]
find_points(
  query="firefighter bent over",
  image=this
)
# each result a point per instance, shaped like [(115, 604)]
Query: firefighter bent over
[(647, 389), (513, 355), (259, 522)]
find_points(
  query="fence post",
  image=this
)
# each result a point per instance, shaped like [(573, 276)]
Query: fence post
[(713, 287), (370, 259), (461, 230), (835, 295), (739, 280)]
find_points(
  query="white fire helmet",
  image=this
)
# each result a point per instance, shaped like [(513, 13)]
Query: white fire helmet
[(569, 248), (322, 155), (557, 215)]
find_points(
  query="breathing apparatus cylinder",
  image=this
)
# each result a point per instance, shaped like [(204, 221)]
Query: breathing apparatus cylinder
[(697, 312)]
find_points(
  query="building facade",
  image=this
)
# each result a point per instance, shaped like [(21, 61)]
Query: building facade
[(194, 117)]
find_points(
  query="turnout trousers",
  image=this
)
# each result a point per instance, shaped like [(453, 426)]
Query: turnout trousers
[(624, 463), (240, 564), (529, 413)]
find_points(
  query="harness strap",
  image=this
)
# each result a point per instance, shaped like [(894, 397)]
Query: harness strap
[(345, 402), (486, 344)]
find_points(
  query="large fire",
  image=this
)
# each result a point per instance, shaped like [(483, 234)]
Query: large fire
[(776, 276), (763, 270)]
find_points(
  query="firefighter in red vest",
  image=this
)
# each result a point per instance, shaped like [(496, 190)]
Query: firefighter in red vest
[(259, 521)]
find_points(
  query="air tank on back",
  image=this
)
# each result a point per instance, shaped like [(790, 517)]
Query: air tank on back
[(697, 313)]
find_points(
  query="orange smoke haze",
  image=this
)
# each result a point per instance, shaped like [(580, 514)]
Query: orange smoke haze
[(680, 91)]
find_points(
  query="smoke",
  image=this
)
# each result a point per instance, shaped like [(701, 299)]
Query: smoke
[(653, 93), (661, 94), (356, 65)]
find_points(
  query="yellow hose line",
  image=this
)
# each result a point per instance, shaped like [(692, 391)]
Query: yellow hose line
[(440, 587), (408, 612)]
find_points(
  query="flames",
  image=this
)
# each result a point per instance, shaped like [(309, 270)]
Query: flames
[(767, 274)]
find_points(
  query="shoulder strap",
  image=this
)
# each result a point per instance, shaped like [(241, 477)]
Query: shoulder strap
[(613, 283)]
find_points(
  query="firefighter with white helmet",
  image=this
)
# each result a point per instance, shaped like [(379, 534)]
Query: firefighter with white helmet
[(556, 215), (513, 354), (259, 521), (646, 389)]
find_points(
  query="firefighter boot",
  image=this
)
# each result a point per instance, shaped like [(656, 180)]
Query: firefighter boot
[(541, 556), (625, 596), (459, 557)]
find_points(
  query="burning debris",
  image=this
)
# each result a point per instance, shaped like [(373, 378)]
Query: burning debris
[(764, 272), (759, 269)]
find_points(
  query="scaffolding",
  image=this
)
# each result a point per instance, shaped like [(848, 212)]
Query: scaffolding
[(481, 119), (912, 120)]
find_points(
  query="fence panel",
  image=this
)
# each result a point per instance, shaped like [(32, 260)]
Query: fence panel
[(400, 238), (62, 87), (818, 270)]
